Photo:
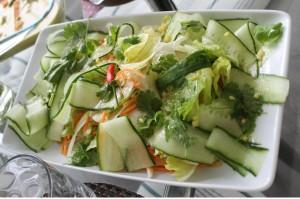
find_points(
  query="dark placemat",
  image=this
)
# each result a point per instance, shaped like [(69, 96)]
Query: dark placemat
[(108, 190)]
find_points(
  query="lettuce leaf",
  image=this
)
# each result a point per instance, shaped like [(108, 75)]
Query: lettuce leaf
[(221, 69), (142, 50), (182, 169)]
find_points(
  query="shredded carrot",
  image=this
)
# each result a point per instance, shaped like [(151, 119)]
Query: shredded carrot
[(111, 57), (127, 75), (104, 116), (160, 169), (87, 124), (127, 110), (77, 116), (65, 144), (158, 161), (128, 106)]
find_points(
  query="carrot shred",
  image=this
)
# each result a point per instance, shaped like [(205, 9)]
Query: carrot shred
[(87, 124), (128, 106), (104, 116), (77, 116), (64, 145), (160, 169)]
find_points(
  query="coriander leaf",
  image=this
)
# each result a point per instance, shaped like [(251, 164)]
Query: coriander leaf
[(165, 62), (75, 31), (147, 124), (106, 92), (268, 34), (112, 35), (148, 102), (127, 42), (247, 106), (84, 158), (119, 54), (196, 25)]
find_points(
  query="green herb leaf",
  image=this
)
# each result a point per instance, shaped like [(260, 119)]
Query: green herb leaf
[(176, 129), (129, 41), (148, 102), (247, 106), (106, 92), (165, 62), (147, 124), (268, 34), (195, 25), (112, 35), (84, 158)]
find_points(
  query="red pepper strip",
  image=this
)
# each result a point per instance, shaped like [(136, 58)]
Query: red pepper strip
[(110, 75)]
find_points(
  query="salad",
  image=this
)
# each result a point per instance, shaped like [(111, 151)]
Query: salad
[(174, 97)]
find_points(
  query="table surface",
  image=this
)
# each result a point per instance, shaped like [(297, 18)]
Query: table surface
[(287, 178)]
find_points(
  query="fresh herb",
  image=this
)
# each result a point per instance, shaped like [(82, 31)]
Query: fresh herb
[(176, 129), (119, 54), (129, 41), (76, 52), (165, 62), (84, 158), (194, 25), (148, 102), (125, 44), (268, 34), (106, 92), (147, 123), (193, 30), (193, 62), (247, 106), (112, 35)]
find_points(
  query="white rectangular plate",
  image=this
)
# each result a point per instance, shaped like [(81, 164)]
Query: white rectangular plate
[(268, 125)]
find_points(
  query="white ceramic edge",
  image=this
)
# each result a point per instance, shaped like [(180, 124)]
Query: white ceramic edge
[(267, 183)]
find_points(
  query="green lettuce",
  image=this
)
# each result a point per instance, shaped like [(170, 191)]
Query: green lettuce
[(142, 50), (182, 169), (221, 69)]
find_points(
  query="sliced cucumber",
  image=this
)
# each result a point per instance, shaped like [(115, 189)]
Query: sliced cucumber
[(233, 24), (84, 95), (42, 88), (234, 48), (35, 142), (195, 61), (132, 148), (57, 96), (217, 114), (110, 157), (47, 61), (16, 115), (37, 116), (245, 34), (196, 152), (241, 170), (250, 158), (56, 43), (273, 89), (59, 122)]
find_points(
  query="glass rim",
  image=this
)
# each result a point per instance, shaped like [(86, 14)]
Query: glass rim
[(37, 160)]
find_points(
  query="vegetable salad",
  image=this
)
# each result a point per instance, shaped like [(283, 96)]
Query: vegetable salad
[(175, 97)]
